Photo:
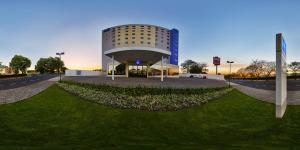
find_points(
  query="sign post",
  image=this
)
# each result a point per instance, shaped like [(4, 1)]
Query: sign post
[(281, 76), (216, 62)]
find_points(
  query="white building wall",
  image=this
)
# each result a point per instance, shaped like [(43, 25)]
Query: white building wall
[(82, 73)]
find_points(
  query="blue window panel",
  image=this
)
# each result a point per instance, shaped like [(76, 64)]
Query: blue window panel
[(174, 36)]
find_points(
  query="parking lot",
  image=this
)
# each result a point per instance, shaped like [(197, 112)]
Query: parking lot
[(292, 85)]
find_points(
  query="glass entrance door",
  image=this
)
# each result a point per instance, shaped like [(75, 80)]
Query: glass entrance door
[(137, 71)]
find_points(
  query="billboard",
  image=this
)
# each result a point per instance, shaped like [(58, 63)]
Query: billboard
[(281, 76), (216, 60)]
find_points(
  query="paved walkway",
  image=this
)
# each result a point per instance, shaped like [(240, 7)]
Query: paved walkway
[(21, 93), (293, 97)]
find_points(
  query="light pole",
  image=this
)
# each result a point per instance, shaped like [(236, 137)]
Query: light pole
[(230, 62), (59, 54)]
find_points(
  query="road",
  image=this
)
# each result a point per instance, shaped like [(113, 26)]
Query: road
[(292, 85), (23, 81)]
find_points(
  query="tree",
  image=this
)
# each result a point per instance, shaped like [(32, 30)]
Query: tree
[(198, 68), (187, 64), (49, 65), (41, 65), (255, 69), (269, 68), (242, 73), (19, 63), (295, 67)]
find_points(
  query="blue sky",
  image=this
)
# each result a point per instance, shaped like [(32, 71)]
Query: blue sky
[(239, 30)]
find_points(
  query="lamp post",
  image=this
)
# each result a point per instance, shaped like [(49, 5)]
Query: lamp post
[(230, 62), (59, 54)]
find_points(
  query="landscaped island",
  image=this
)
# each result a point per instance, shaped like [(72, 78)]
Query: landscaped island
[(144, 98)]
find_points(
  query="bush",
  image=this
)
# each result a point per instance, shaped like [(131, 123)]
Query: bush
[(143, 98)]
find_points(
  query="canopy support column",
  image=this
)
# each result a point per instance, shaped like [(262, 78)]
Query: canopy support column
[(113, 68), (162, 69)]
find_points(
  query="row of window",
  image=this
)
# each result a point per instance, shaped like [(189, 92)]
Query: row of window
[(141, 42), (133, 33), (162, 41), (142, 27)]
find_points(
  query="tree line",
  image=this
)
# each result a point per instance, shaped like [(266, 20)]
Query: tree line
[(20, 63), (264, 69)]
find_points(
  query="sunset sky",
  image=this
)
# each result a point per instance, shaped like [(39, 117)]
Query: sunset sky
[(238, 30)]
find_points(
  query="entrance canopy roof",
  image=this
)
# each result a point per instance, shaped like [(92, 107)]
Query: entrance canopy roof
[(131, 55)]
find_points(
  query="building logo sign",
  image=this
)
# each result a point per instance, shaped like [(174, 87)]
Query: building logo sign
[(281, 76), (137, 61)]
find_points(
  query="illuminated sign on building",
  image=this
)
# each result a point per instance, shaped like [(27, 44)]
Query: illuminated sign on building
[(137, 61)]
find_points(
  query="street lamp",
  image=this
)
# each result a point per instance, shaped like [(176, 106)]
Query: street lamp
[(59, 54), (230, 62)]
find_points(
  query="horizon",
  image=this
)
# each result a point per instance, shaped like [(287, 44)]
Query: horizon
[(230, 30)]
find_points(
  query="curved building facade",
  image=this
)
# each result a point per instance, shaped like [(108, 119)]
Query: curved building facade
[(138, 45)]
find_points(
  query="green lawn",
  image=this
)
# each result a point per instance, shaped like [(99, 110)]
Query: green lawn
[(57, 120)]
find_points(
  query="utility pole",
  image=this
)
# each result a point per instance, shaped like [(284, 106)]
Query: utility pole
[(59, 54), (230, 62)]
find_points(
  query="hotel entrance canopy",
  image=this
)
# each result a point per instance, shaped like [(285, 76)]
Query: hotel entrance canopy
[(130, 55)]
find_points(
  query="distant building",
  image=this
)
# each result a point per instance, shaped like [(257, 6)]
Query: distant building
[(139, 50), (4, 70)]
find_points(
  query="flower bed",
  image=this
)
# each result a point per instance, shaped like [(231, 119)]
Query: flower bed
[(144, 98)]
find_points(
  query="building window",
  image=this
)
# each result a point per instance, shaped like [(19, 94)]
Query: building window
[(149, 43), (142, 37), (126, 42), (118, 39), (149, 38), (126, 34), (142, 30), (142, 33), (133, 37), (118, 43), (133, 30), (133, 34), (126, 38), (133, 42), (149, 34), (142, 42)]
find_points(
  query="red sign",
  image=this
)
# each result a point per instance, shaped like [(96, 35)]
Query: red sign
[(217, 61)]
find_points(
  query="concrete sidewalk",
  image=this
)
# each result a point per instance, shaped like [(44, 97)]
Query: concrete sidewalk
[(21, 93)]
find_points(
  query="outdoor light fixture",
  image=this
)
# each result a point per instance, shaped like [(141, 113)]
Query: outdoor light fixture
[(59, 54), (230, 62)]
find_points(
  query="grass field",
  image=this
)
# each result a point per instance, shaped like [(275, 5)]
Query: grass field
[(55, 119)]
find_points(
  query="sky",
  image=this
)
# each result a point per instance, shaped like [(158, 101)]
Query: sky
[(237, 30)]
